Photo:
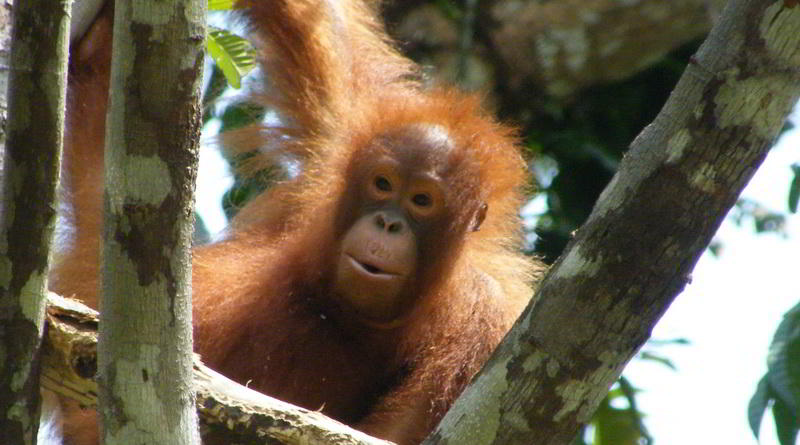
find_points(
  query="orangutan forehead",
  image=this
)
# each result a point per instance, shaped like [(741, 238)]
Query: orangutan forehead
[(423, 145), (436, 137)]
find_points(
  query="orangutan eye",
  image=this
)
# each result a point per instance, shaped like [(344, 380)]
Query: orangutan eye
[(422, 200), (383, 184)]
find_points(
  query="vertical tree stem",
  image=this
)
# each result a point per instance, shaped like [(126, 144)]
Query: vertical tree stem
[(36, 92)]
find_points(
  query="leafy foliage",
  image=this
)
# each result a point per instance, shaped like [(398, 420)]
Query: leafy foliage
[(780, 387), (617, 421), (234, 55), (221, 5), (245, 186), (764, 220), (587, 138)]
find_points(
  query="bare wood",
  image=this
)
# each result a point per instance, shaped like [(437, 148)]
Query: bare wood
[(224, 407)]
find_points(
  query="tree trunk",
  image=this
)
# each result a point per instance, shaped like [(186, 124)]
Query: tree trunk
[(636, 252), (145, 351), (31, 165)]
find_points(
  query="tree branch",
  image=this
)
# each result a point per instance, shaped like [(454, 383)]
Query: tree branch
[(568, 45), (562, 47), (625, 266), (226, 409)]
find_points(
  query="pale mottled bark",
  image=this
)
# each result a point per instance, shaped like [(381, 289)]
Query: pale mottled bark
[(30, 173), (145, 351), (636, 252)]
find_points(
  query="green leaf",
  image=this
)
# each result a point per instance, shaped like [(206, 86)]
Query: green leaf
[(785, 423), (658, 358), (636, 416), (245, 189), (765, 219), (669, 341), (216, 86), (758, 405), (234, 55), (783, 360), (794, 189), (615, 426), (239, 115), (221, 5), (235, 198)]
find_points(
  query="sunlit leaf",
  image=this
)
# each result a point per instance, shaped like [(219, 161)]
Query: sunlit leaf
[(234, 55), (221, 5)]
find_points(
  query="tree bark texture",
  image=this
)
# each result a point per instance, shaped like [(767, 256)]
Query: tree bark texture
[(226, 409), (145, 355), (5, 56), (636, 252), (31, 165), (571, 44), (559, 47)]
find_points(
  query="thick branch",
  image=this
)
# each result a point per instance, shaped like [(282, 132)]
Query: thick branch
[(636, 252), (571, 44), (561, 46), (226, 409)]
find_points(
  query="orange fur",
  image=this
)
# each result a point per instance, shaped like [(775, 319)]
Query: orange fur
[(262, 296), (76, 270)]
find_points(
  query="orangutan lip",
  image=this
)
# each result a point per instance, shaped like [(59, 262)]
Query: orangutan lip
[(370, 268)]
